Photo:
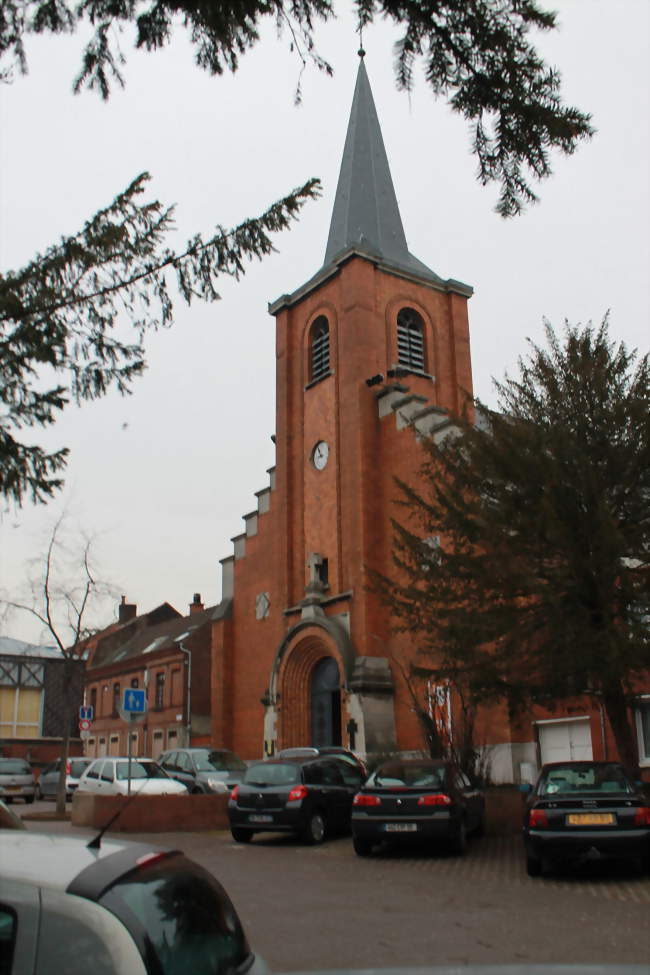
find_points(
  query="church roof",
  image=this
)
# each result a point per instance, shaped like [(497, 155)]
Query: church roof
[(366, 215), (365, 219)]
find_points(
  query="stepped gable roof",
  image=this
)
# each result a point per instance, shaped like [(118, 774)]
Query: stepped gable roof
[(132, 638), (365, 219)]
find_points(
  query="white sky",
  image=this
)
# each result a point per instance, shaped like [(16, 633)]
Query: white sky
[(163, 477)]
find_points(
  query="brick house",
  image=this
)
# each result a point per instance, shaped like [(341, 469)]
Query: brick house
[(372, 354), (167, 654), (31, 702)]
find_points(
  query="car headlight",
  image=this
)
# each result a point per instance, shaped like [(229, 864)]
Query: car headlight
[(218, 785)]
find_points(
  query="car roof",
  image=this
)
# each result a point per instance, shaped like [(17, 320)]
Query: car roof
[(581, 762), (50, 860), (123, 758)]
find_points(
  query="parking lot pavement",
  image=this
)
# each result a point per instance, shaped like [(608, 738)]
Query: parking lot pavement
[(322, 907)]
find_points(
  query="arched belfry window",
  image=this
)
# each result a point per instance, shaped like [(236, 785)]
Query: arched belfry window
[(319, 349), (410, 339)]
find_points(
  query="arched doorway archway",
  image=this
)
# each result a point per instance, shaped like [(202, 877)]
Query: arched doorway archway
[(325, 703)]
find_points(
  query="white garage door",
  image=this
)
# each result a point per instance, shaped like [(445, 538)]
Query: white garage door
[(562, 741)]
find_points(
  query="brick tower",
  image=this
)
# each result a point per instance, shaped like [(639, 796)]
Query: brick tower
[(372, 353)]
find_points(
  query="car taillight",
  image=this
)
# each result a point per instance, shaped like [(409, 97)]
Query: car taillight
[(437, 799), (234, 793), (642, 816), (537, 818), (298, 792), (362, 800), (147, 859), (67, 768)]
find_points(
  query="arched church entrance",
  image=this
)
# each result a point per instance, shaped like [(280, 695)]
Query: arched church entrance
[(325, 695), (309, 688)]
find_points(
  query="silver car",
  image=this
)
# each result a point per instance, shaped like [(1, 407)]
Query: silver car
[(16, 780), (113, 908), (48, 782)]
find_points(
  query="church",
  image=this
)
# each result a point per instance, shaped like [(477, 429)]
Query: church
[(373, 353), (372, 357)]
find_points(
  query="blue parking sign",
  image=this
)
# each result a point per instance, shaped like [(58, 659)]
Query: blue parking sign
[(134, 700), (86, 712)]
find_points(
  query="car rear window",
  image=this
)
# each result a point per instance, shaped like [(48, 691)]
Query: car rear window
[(78, 767), (208, 761), (276, 774), (179, 914), (584, 778), (14, 766), (410, 776)]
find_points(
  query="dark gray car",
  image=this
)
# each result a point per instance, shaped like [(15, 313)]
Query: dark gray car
[(16, 780), (204, 770)]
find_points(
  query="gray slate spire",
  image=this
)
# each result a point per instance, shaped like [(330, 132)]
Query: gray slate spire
[(366, 215)]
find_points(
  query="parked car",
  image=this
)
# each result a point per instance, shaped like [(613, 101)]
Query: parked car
[(417, 799), (121, 909), (48, 781), (310, 795), (336, 750), (16, 780), (204, 770), (580, 810), (109, 776)]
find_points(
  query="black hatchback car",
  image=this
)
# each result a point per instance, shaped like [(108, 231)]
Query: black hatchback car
[(311, 796), (579, 810), (417, 799)]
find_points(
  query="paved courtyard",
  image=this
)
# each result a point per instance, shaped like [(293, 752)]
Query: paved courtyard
[(323, 907)]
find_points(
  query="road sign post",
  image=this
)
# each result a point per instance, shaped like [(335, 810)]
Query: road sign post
[(134, 709)]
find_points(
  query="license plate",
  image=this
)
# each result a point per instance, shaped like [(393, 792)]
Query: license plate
[(401, 827), (12, 788), (590, 819), (255, 818)]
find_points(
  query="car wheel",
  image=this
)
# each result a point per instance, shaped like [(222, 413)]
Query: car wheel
[(480, 828), (533, 866), (315, 829), (460, 843), (241, 835), (8, 800), (29, 799), (196, 791), (362, 848)]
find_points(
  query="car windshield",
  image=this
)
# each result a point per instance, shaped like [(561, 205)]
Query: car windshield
[(396, 774), (185, 916), (139, 770), (276, 774), (14, 766), (208, 761), (584, 778)]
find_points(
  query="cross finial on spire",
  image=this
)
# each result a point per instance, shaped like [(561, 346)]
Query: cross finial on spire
[(361, 51)]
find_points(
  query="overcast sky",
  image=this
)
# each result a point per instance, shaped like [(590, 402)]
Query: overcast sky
[(163, 477)]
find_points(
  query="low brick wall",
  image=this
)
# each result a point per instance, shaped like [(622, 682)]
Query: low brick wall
[(504, 807), (151, 814)]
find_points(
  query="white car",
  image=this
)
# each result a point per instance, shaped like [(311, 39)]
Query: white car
[(109, 776)]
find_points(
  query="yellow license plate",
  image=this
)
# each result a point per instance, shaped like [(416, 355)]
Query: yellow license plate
[(590, 819)]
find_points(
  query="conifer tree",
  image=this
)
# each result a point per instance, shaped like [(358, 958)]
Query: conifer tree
[(539, 590)]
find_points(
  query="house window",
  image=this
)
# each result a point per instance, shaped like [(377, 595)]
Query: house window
[(116, 698), (160, 689), (134, 682), (21, 695), (319, 349), (176, 696), (643, 730), (93, 700), (410, 339), (262, 605)]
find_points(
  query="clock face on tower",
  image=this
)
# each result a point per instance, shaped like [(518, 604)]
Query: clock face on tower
[(320, 455)]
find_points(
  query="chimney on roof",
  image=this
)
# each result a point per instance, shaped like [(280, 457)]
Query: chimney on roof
[(196, 606), (126, 611)]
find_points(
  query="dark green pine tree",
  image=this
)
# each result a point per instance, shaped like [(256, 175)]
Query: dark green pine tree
[(73, 321), (540, 588), (476, 53)]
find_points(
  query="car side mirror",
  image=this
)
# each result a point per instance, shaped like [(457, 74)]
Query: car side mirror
[(525, 788)]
